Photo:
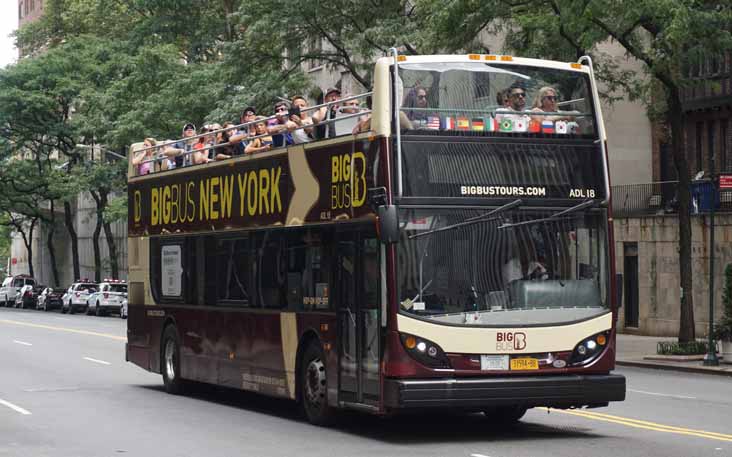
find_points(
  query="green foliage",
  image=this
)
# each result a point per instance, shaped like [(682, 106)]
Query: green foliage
[(677, 348), (723, 328)]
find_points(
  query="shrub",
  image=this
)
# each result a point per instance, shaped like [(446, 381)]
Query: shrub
[(723, 327)]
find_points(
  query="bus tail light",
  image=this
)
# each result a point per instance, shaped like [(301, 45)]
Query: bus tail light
[(589, 349), (424, 351)]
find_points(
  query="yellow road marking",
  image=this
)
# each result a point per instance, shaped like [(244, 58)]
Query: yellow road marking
[(64, 329), (645, 424)]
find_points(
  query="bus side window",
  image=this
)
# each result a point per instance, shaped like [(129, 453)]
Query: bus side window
[(228, 269), (271, 276), (311, 256)]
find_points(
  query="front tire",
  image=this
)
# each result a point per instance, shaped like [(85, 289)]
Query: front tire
[(170, 361), (314, 386)]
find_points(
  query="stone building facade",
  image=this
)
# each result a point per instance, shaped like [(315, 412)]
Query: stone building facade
[(647, 248)]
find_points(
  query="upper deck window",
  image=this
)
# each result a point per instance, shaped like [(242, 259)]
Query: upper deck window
[(478, 97)]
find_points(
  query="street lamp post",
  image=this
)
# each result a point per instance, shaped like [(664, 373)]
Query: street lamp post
[(710, 359)]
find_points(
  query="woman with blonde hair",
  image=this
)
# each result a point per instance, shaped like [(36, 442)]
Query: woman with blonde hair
[(143, 161)]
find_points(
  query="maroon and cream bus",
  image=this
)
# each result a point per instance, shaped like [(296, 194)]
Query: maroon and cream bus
[(456, 254)]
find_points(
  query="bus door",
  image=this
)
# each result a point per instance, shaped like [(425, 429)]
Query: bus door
[(358, 283)]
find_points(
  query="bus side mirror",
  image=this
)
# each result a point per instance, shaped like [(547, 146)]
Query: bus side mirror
[(388, 224), (619, 289)]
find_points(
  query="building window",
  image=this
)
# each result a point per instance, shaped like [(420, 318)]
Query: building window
[(32, 5), (699, 145), (20, 10)]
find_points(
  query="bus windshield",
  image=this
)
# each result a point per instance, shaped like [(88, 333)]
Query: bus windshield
[(519, 267), (495, 97)]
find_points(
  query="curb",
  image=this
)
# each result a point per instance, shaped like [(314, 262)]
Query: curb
[(667, 367)]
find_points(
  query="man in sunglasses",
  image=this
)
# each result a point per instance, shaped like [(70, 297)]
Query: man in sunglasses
[(517, 97), (281, 126)]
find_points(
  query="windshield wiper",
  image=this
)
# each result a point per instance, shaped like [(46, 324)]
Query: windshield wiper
[(584, 205), (473, 220)]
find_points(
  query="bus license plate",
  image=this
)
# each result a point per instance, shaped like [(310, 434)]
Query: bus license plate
[(525, 364), (494, 362)]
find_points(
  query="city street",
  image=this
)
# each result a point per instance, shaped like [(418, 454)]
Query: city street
[(65, 390)]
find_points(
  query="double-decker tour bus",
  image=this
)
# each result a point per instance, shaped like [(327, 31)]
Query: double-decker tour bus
[(455, 253)]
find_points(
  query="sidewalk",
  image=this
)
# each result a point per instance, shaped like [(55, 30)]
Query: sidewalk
[(640, 351)]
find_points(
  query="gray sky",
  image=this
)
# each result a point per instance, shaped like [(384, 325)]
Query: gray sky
[(8, 23)]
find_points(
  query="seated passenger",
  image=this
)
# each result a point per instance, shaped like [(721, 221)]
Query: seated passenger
[(327, 113), (281, 126), (179, 153), (259, 144), (144, 159), (201, 147), (417, 99), (227, 150), (546, 101), (302, 133), (239, 136)]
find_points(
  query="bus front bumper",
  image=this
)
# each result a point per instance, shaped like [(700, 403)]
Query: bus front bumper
[(563, 391)]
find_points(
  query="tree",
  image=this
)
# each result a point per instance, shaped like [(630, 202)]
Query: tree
[(345, 35), (664, 35)]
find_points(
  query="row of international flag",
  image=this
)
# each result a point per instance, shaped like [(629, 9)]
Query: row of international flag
[(500, 124)]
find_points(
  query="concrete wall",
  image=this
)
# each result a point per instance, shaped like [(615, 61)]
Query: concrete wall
[(658, 269)]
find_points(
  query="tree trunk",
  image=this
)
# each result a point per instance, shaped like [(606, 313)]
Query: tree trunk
[(95, 239), (51, 247), (28, 242), (111, 244), (675, 117), (69, 222)]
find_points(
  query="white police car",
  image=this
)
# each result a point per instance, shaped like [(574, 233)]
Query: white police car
[(108, 297), (75, 297)]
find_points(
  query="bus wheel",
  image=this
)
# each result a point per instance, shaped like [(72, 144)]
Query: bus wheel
[(170, 361), (505, 415), (314, 386)]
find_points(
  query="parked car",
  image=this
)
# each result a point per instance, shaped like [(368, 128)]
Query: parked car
[(50, 298), (11, 287), (123, 309), (107, 298), (28, 296), (75, 297)]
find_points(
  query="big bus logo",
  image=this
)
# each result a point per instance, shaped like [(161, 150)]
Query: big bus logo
[(348, 180), (510, 341)]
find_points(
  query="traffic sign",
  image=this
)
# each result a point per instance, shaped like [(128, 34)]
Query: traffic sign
[(725, 181)]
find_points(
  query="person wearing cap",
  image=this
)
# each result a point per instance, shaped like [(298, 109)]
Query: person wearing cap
[(240, 135), (281, 126), (327, 113), (178, 153)]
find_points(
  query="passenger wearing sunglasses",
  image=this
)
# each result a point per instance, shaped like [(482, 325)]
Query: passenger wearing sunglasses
[(281, 126), (546, 102)]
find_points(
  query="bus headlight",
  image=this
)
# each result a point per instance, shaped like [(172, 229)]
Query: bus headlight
[(424, 351), (589, 348)]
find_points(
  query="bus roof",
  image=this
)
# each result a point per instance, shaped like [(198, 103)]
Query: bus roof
[(493, 59)]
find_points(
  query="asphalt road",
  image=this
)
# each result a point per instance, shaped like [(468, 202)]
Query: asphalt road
[(65, 390)]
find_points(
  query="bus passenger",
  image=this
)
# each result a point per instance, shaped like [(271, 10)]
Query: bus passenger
[(517, 97), (281, 126), (327, 113), (143, 159), (179, 153), (227, 150), (502, 99), (200, 154), (417, 98), (239, 136), (303, 133), (259, 144), (546, 101)]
